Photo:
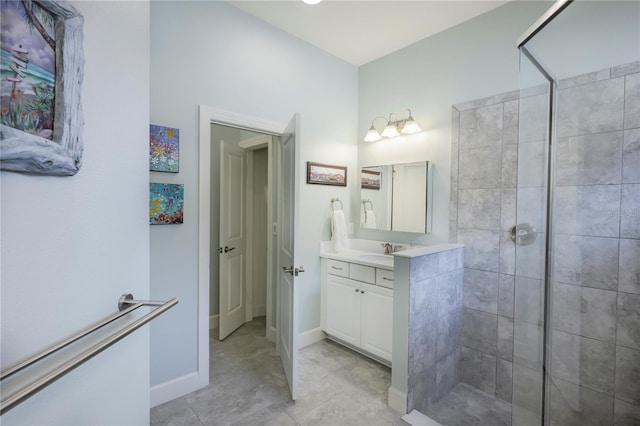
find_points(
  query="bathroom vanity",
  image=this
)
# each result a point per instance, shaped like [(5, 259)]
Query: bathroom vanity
[(357, 301)]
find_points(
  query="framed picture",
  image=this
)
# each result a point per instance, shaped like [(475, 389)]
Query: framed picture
[(164, 149), (324, 174), (370, 179), (166, 201), (41, 81)]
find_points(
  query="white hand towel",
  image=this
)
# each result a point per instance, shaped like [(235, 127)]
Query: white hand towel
[(338, 231), (370, 221)]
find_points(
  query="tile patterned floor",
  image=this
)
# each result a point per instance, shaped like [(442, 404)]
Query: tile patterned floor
[(336, 387)]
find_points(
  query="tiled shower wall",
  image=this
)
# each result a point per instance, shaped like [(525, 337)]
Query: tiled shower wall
[(483, 181), (595, 338)]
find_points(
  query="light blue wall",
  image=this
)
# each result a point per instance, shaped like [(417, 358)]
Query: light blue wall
[(474, 59), (71, 246), (210, 53)]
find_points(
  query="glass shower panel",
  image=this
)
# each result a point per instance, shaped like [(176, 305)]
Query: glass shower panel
[(530, 243), (591, 50)]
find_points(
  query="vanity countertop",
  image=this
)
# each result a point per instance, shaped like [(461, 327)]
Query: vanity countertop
[(377, 260), (424, 250)]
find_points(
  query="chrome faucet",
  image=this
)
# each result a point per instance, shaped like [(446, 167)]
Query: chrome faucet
[(388, 248)]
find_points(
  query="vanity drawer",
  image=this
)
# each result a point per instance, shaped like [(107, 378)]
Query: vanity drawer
[(362, 273), (384, 278), (336, 267)]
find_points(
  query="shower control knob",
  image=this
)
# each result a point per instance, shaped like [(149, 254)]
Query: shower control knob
[(523, 234)]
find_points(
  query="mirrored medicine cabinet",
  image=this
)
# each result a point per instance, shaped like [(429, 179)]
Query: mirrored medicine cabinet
[(397, 197)]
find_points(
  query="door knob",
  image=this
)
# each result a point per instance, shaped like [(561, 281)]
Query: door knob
[(227, 249), (293, 271)]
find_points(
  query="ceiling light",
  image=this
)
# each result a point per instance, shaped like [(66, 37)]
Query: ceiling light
[(312, 1), (393, 128)]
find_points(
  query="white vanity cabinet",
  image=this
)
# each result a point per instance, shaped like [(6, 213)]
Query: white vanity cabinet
[(356, 310)]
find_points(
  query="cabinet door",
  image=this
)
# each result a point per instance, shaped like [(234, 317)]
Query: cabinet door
[(377, 320), (343, 309)]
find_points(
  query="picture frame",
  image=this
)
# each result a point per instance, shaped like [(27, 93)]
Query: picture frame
[(166, 203), (370, 180), (326, 174), (164, 149), (53, 147)]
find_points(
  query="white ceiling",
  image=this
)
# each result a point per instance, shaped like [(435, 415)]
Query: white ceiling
[(360, 31)]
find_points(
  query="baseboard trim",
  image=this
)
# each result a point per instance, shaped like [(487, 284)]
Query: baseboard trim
[(172, 389), (214, 321), (416, 418), (397, 400), (309, 337), (271, 334)]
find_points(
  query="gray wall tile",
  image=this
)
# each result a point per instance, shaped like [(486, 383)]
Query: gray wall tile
[(423, 304), (504, 380), (510, 122), (589, 159), (625, 414), (589, 312), (587, 210), (631, 156), (482, 248), (584, 79), (449, 292), (449, 334), (481, 127), (507, 97), (629, 267), (624, 69), (506, 295), (586, 261), (479, 209), (509, 166), (453, 201), (591, 108), (423, 390), (480, 290), (422, 348), (527, 345), (507, 254), (628, 375), (480, 331), (447, 261), (424, 267), (476, 103), (478, 369), (630, 211), (447, 372), (534, 117), (628, 330), (530, 260), (527, 393), (632, 101), (507, 208), (505, 338), (453, 231), (480, 168), (529, 300), (572, 405), (532, 206), (532, 163), (582, 361)]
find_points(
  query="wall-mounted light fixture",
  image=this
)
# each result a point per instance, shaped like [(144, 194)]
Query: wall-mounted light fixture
[(312, 1), (392, 129)]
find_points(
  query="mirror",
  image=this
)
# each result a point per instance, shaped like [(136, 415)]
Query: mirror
[(397, 197)]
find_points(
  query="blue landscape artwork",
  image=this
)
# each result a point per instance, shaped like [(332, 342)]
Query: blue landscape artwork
[(166, 201), (164, 152)]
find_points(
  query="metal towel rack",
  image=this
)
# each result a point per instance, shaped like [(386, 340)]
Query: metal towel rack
[(126, 304), (365, 202), (336, 200)]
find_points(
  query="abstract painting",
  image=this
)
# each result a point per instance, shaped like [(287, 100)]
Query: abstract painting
[(164, 149), (166, 201)]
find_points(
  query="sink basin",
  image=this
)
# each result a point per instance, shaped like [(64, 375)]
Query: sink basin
[(376, 257)]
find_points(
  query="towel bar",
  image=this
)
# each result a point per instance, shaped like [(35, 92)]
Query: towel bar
[(44, 380), (336, 200)]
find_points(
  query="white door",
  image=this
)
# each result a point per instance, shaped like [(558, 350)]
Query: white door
[(287, 324), (232, 238)]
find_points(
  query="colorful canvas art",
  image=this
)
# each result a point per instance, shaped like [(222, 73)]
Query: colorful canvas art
[(27, 68), (164, 153), (166, 201)]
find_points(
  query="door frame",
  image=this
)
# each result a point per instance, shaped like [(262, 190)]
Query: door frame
[(206, 116)]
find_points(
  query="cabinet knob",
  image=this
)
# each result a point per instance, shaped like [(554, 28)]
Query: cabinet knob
[(357, 291), (362, 291)]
